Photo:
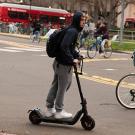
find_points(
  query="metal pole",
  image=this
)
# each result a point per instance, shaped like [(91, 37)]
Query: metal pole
[(30, 11), (122, 21)]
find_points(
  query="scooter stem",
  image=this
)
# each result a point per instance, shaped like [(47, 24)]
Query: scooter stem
[(78, 83)]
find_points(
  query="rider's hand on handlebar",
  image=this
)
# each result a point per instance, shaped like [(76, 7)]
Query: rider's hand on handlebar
[(76, 62), (82, 56)]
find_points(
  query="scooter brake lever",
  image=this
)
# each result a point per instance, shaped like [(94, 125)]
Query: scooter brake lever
[(80, 73)]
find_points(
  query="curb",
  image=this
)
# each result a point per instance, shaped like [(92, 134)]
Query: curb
[(18, 36), (126, 52), (15, 35)]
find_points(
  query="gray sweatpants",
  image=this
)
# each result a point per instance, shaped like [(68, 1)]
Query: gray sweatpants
[(61, 83)]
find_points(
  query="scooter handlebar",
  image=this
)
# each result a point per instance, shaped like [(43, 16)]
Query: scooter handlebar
[(80, 66)]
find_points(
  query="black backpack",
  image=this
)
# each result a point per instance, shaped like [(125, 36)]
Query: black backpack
[(54, 41)]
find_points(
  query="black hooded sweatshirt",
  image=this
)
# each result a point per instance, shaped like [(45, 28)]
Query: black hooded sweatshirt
[(67, 52)]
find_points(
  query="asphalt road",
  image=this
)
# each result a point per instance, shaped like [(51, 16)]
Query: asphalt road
[(25, 77)]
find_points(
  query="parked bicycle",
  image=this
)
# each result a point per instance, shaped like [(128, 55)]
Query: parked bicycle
[(125, 89), (95, 47)]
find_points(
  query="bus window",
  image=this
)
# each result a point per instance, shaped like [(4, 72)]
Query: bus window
[(18, 15), (44, 18), (54, 19), (23, 16), (12, 14)]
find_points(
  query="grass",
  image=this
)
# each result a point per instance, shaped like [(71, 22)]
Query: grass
[(125, 46)]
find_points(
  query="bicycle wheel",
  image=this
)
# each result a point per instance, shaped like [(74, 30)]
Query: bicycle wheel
[(31, 36), (107, 52), (91, 51), (125, 91), (37, 38)]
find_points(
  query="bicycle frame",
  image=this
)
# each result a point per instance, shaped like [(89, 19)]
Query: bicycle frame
[(36, 36), (97, 47)]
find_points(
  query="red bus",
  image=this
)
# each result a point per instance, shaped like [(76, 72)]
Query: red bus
[(130, 23), (21, 13)]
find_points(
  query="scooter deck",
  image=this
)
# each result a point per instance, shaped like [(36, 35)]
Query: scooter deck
[(54, 120)]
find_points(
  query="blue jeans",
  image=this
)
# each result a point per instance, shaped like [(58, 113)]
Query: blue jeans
[(98, 41)]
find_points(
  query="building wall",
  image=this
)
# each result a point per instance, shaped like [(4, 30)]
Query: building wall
[(128, 13)]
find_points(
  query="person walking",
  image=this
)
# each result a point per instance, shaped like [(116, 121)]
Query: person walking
[(63, 69)]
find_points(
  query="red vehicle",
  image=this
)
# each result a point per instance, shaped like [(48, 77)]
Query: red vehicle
[(24, 13), (130, 23)]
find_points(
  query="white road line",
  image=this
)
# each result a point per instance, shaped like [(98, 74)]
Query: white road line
[(43, 55), (8, 50), (12, 43), (110, 59), (26, 49), (109, 69)]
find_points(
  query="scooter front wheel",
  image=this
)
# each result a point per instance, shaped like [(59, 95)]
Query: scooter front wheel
[(87, 122), (34, 118)]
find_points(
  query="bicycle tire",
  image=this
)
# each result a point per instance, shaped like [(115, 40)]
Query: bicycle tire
[(91, 51), (125, 91), (31, 36), (36, 39), (107, 52)]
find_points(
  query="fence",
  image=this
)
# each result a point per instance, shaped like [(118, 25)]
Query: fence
[(127, 34)]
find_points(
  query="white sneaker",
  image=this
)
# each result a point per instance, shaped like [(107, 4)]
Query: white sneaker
[(50, 112), (102, 55), (62, 114)]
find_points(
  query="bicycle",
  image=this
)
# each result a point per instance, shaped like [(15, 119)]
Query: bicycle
[(125, 89), (95, 47), (35, 37)]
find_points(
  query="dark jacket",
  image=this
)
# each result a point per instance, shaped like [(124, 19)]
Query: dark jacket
[(67, 52), (102, 31), (36, 26)]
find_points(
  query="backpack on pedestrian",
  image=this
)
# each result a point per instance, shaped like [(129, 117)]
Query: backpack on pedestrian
[(54, 41)]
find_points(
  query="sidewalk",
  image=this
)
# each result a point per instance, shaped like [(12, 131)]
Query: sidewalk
[(15, 35)]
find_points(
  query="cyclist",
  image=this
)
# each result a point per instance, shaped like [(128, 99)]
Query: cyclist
[(101, 35), (36, 27)]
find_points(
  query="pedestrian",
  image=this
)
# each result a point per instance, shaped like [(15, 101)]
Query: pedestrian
[(84, 35), (63, 69), (91, 29)]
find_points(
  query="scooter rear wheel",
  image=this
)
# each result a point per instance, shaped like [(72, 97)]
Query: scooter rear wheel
[(87, 122), (34, 118)]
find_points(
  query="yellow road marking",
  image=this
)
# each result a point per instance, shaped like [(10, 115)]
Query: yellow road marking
[(110, 59), (107, 81), (128, 85), (99, 79)]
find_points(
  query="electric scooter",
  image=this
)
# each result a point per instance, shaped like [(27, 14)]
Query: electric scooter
[(87, 122)]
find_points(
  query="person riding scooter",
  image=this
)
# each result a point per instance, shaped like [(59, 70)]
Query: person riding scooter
[(63, 69)]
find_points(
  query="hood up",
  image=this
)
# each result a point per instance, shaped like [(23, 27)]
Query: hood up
[(76, 20)]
